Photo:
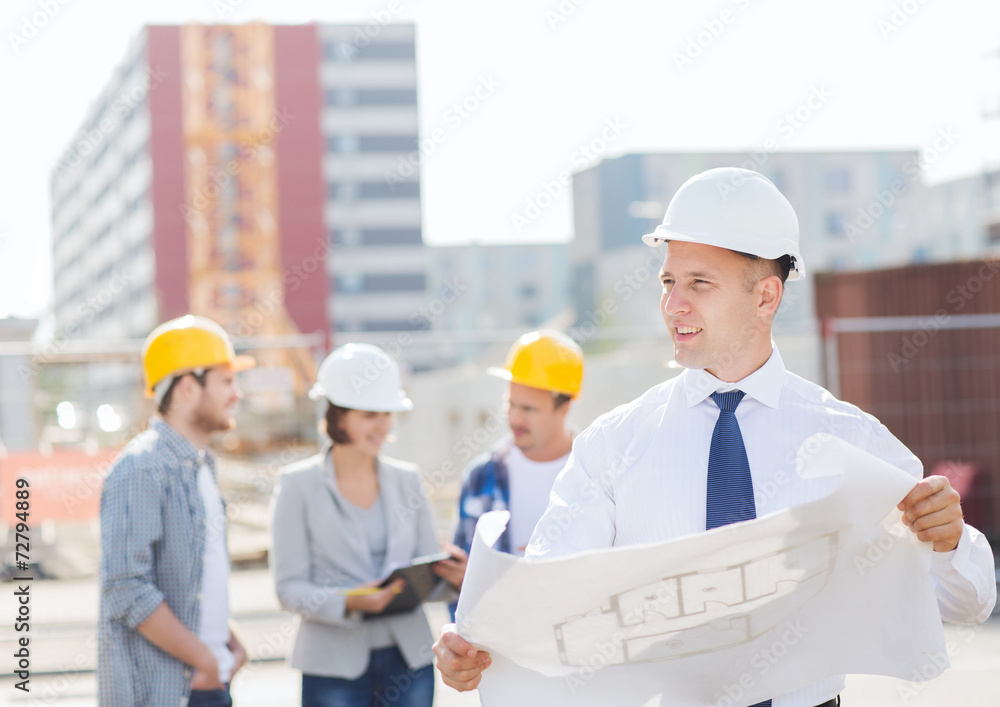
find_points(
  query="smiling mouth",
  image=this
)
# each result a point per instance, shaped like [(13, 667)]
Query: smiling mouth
[(686, 331)]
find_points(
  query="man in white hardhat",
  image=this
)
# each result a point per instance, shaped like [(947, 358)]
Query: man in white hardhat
[(164, 633), (544, 374), (732, 422)]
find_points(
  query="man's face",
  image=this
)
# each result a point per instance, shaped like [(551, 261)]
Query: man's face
[(714, 322), (532, 415), (213, 411)]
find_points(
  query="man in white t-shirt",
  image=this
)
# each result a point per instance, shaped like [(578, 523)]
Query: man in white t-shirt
[(544, 370), (164, 635)]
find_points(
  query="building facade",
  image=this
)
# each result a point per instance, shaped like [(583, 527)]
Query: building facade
[(265, 176)]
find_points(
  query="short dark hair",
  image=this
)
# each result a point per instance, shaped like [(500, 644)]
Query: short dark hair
[(758, 268), (560, 399), (164, 405), (336, 433)]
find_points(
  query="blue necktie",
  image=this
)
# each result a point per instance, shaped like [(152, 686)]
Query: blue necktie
[(730, 488)]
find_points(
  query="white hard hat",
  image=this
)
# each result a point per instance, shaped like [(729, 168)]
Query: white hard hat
[(361, 377), (736, 209)]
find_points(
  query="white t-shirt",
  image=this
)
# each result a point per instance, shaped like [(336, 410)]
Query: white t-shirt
[(214, 629), (530, 483)]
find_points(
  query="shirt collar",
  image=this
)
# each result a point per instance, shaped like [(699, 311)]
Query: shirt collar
[(763, 385), (180, 445)]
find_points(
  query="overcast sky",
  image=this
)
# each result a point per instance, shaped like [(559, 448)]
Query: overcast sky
[(561, 85)]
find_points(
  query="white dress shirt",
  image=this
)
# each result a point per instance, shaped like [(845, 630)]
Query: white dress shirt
[(639, 475)]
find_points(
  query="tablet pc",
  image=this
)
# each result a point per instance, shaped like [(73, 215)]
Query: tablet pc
[(420, 582)]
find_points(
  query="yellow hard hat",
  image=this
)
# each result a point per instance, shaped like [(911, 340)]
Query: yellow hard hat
[(187, 343), (545, 359)]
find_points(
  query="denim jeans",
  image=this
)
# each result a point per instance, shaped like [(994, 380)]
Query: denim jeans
[(210, 698), (388, 682)]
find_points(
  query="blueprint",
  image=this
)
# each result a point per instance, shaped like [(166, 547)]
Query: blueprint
[(723, 618)]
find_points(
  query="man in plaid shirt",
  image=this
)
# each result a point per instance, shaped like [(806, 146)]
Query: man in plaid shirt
[(164, 636)]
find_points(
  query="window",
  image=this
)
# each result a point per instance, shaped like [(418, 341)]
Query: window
[(340, 51), (344, 237), (387, 97), (343, 144), (342, 191), (356, 283), (395, 282), (385, 190), (780, 180), (341, 96), (362, 49), (349, 282), (390, 236), (835, 224), (386, 51), (837, 180), (387, 143)]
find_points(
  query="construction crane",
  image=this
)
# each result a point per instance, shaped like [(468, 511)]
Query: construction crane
[(230, 165)]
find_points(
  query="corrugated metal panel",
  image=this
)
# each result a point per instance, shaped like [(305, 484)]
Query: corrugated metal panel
[(936, 389)]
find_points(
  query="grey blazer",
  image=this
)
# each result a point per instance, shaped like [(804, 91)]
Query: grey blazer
[(319, 549)]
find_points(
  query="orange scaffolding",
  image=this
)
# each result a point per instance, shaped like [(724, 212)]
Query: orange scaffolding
[(230, 166)]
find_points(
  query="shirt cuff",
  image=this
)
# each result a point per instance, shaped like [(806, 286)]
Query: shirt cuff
[(957, 558), (143, 607)]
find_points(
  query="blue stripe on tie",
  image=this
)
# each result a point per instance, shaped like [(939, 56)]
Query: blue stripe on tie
[(730, 487)]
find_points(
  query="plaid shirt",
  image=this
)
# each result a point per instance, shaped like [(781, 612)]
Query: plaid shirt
[(152, 548), (486, 487)]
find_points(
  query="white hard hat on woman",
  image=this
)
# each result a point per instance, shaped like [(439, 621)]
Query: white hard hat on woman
[(361, 377)]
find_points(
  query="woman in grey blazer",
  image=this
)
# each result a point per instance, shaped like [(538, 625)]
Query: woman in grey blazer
[(340, 520)]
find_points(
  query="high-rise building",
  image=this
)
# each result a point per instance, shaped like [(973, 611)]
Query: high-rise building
[(265, 176)]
